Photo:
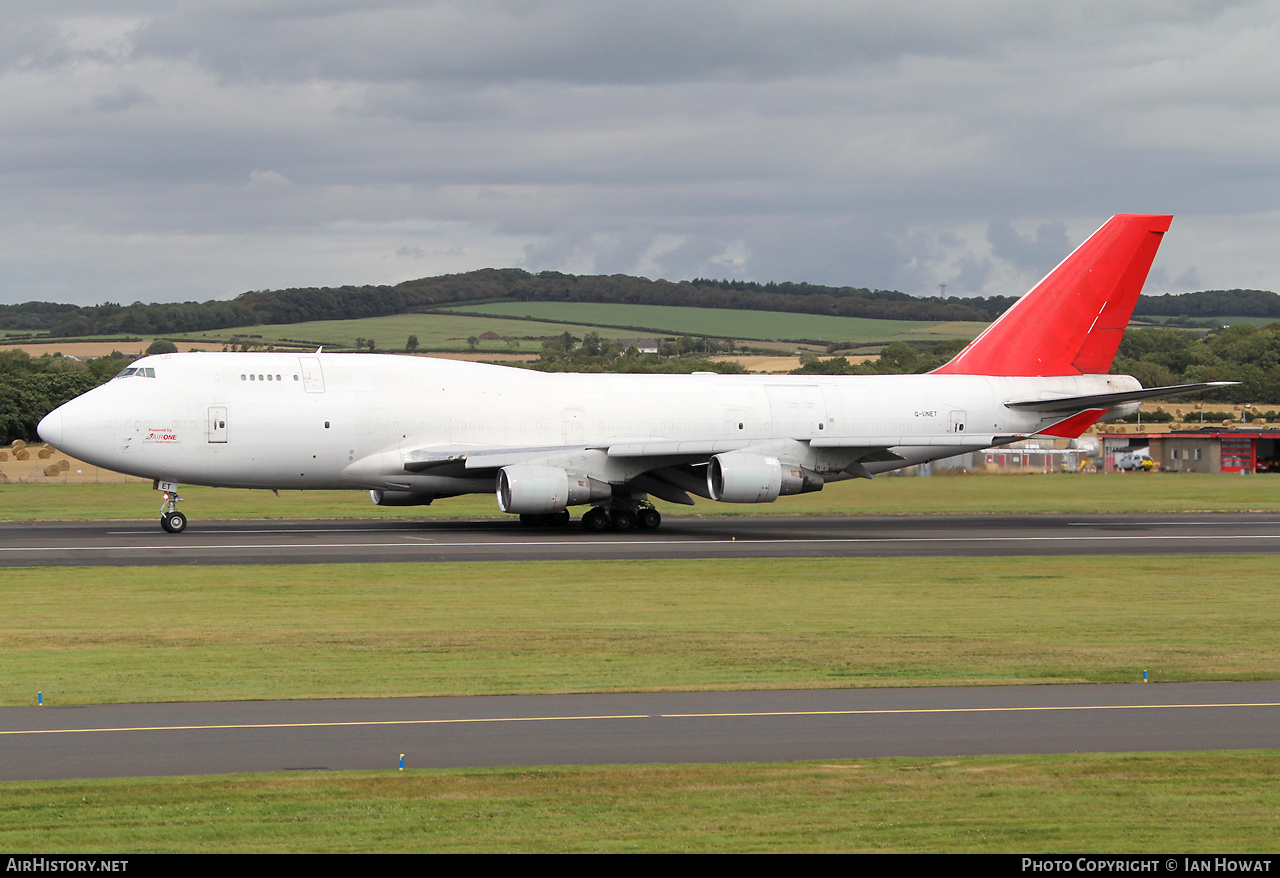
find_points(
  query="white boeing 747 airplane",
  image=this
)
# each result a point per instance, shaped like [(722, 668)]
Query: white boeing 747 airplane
[(411, 430)]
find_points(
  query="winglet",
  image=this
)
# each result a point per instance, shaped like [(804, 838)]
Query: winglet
[(1071, 323)]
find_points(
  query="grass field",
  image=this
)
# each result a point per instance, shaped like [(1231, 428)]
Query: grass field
[(1155, 803), (449, 331), (52, 499), (435, 332), (724, 323), (106, 635)]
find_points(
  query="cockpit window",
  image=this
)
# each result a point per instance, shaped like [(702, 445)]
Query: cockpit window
[(137, 372)]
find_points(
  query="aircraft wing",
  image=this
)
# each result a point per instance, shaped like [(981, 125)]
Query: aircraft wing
[(669, 468), (474, 457)]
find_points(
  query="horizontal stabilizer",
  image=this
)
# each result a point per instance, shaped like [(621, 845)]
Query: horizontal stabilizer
[(1107, 400), (933, 440)]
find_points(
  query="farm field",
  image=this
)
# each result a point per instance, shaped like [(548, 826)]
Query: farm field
[(449, 330), (1229, 320), (725, 323), (435, 332)]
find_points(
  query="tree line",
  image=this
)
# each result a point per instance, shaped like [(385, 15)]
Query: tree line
[(262, 307)]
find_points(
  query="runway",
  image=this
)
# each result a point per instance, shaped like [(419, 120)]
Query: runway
[(182, 739), (749, 536)]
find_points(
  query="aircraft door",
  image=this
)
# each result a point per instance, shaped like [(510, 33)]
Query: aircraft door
[(217, 424), (312, 376), (571, 426), (797, 410)]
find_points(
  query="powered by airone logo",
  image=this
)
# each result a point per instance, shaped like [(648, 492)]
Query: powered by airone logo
[(161, 436)]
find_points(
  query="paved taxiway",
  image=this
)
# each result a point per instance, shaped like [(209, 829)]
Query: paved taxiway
[(179, 739), (319, 542)]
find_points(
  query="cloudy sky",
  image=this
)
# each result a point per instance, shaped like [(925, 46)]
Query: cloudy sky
[(162, 150)]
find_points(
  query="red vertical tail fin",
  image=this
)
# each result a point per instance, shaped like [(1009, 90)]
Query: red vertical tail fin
[(1071, 322)]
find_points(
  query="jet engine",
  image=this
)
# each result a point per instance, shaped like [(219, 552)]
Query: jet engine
[(743, 477), (536, 489)]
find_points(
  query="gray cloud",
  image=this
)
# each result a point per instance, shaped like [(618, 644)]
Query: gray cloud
[(572, 41), (125, 97), (189, 149), (1036, 255)]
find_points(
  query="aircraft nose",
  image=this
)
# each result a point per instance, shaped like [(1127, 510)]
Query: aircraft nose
[(50, 428)]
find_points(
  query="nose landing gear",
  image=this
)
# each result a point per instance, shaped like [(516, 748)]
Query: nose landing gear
[(171, 519)]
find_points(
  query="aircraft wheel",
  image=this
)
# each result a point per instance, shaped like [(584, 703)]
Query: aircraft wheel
[(596, 520), (174, 522), (623, 520), (649, 519)]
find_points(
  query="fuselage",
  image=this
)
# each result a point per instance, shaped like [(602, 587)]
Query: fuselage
[(288, 421)]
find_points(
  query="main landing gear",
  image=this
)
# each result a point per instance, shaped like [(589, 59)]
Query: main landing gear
[(640, 515), (171, 519)]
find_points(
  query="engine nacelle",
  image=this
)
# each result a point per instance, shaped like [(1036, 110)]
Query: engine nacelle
[(401, 498), (743, 477), (535, 489)]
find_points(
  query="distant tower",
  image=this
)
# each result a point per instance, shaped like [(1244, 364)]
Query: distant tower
[(942, 291)]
